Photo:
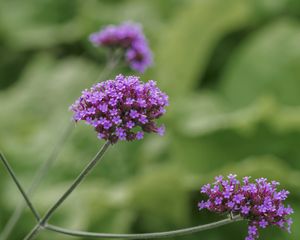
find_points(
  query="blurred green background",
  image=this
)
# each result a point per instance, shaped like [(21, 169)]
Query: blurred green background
[(232, 70)]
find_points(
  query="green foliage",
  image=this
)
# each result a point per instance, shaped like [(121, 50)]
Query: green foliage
[(275, 60), (231, 69), (188, 42)]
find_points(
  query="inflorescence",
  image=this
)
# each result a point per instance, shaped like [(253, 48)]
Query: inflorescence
[(259, 202), (122, 109), (128, 37)]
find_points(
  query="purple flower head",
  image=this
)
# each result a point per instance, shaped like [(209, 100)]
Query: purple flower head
[(252, 230), (230, 204), (219, 179), (218, 200), (259, 202), (249, 238), (130, 38), (245, 210), (227, 194), (238, 198), (205, 188), (111, 116), (139, 56), (201, 205), (263, 223), (139, 135), (289, 223), (161, 130)]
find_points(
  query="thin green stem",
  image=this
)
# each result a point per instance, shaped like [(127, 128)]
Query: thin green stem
[(42, 223), (40, 174), (21, 189), (112, 62), (174, 233), (76, 182)]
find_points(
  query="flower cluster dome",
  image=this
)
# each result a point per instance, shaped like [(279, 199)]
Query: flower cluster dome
[(259, 202), (122, 109), (129, 37)]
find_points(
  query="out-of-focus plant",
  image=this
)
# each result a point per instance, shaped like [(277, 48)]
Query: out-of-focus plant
[(231, 71), (259, 203), (124, 109), (125, 43)]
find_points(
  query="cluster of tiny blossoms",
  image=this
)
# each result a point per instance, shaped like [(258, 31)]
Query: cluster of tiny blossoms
[(122, 109), (259, 202), (129, 37)]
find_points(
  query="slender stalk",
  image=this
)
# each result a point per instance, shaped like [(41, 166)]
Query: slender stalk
[(76, 182), (174, 233), (40, 174), (42, 223), (113, 61), (15, 179)]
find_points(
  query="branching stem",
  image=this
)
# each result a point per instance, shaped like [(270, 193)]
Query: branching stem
[(42, 222), (18, 184), (174, 233), (113, 59), (76, 182)]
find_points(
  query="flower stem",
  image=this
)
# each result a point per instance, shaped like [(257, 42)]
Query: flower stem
[(40, 174), (112, 62), (174, 233), (42, 222), (15, 179), (114, 58), (76, 182)]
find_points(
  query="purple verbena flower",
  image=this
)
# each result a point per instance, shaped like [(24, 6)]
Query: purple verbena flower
[(259, 202), (227, 194), (139, 135), (245, 210), (205, 188), (252, 230), (139, 56), (263, 223), (218, 200), (219, 179), (230, 204), (111, 116), (128, 37), (238, 198), (249, 238)]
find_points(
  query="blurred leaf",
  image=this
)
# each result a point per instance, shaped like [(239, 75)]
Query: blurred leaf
[(210, 114), (267, 63), (268, 166), (209, 134), (187, 44), (36, 24), (36, 109), (160, 199), (152, 185)]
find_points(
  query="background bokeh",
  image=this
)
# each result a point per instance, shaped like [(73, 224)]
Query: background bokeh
[(232, 70)]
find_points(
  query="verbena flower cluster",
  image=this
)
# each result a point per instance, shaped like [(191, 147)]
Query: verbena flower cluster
[(259, 202), (129, 37), (122, 109)]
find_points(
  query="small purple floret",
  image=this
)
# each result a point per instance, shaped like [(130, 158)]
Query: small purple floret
[(128, 37), (105, 107), (259, 202)]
